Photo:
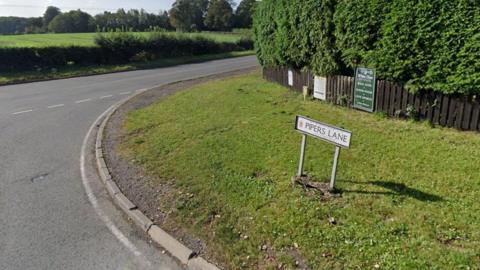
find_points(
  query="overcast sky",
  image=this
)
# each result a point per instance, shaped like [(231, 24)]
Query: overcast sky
[(35, 8)]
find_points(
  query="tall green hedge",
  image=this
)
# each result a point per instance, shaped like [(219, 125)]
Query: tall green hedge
[(264, 29), (297, 34), (357, 28), (423, 41), (426, 44)]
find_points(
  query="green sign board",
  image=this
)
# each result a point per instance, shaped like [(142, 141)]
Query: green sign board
[(365, 88)]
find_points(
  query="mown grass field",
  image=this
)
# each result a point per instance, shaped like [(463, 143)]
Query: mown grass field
[(85, 39), (409, 191)]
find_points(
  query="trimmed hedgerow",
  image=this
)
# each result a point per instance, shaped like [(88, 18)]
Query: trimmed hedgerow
[(298, 34), (426, 42), (357, 28), (264, 29), (14, 59), (124, 46), (117, 48), (431, 45)]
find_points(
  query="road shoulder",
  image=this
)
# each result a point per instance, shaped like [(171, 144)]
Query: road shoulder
[(126, 182)]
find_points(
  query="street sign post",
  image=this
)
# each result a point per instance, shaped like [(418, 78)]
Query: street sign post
[(365, 89), (339, 137)]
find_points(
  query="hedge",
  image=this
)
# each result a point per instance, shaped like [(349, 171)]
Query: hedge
[(357, 35), (116, 48), (423, 42), (431, 45), (15, 59), (297, 33)]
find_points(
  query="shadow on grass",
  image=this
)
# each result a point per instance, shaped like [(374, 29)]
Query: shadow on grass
[(396, 189)]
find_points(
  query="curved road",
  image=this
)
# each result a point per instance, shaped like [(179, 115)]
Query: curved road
[(46, 219)]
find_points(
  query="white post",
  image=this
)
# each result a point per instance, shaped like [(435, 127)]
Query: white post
[(334, 169), (302, 155)]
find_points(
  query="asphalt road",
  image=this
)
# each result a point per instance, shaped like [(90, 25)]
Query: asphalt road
[(46, 219)]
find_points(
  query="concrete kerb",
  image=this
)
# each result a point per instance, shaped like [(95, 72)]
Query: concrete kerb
[(169, 243)]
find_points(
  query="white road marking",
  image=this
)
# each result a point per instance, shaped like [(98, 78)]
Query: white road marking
[(83, 100), (93, 200), (107, 96), (124, 93), (55, 106), (26, 111)]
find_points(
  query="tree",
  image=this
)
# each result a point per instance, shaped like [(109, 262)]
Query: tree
[(243, 14), (34, 25), (50, 14), (219, 16), (12, 25), (188, 15), (75, 21), (136, 20)]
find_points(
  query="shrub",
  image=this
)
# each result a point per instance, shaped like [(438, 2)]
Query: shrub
[(245, 42), (357, 28), (14, 59), (117, 48), (430, 45), (120, 47), (466, 77), (424, 44), (297, 34), (264, 30), (123, 46)]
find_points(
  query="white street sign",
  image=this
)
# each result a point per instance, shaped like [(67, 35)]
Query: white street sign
[(290, 77), (334, 135), (320, 88)]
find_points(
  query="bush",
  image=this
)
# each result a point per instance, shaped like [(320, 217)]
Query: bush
[(246, 43), (466, 77), (357, 28), (297, 34), (14, 59), (264, 29), (427, 45), (424, 44), (123, 46), (117, 48)]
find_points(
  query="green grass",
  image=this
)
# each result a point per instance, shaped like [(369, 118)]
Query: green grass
[(76, 71), (409, 191), (85, 39)]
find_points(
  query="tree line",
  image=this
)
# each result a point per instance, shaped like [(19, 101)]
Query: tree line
[(185, 16)]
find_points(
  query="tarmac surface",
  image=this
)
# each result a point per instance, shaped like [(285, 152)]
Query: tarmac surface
[(46, 219)]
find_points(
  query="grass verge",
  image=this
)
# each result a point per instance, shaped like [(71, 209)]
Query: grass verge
[(76, 71), (409, 191)]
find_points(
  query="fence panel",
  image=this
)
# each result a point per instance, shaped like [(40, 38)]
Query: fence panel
[(467, 115), (474, 125), (445, 110), (380, 95), (438, 108)]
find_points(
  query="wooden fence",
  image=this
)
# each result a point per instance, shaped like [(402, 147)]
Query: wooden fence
[(456, 111)]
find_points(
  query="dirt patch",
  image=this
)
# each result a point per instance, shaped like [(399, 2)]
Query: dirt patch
[(313, 188), (132, 180)]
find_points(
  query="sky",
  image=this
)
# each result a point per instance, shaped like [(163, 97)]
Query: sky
[(35, 8)]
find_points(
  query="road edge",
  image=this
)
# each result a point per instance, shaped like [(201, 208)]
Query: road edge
[(178, 250), (195, 61)]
